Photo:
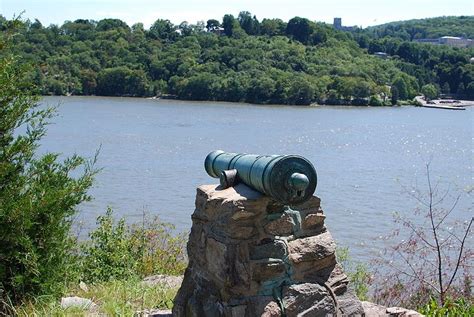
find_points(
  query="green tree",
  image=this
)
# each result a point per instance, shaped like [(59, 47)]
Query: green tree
[(250, 25), (361, 89), (429, 91), (299, 29), (470, 91), (461, 90), (212, 25), (272, 27), (163, 30), (38, 194), (301, 92), (203, 86), (120, 81), (395, 96), (185, 28), (228, 23), (402, 88), (445, 89), (110, 24), (319, 35)]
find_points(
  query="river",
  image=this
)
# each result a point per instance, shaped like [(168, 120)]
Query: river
[(367, 158)]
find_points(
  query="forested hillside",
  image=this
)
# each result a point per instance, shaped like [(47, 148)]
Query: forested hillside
[(462, 26), (238, 59), (449, 69)]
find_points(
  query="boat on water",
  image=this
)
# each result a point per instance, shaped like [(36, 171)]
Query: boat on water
[(446, 107)]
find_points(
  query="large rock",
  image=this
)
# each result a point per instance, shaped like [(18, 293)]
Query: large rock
[(374, 310), (308, 299), (164, 280), (77, 302), (251, 256)]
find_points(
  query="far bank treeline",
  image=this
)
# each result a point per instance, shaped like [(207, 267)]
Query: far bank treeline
[(239, 59)]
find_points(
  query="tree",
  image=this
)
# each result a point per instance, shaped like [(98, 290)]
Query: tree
[(261, 90), (445, 89), (429, 91), (228, 23), (200, 87), (120, 81), (38, 194), (163, 30), (394, 93), (185, 28), (250, 25), (470, 91), (402, 87), (299, 29), (361, 89), (301, 92), (212, 25), (110, 24), (319, 35), (461, 90), (272, 27)]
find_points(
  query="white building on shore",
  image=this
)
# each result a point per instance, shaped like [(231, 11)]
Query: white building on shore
[(449, 40)]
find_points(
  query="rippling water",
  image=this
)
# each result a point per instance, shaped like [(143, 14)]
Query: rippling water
[(152, 155)]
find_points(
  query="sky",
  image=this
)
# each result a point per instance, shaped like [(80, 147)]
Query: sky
[(353, 12)]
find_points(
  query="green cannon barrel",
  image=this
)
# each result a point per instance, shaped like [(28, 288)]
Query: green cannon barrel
[(289, 179)]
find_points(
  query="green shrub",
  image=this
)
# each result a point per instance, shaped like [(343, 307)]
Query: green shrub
[(359, 276), (375, 101), (451, 308), (119, 251), (38, 195), (109, 254)]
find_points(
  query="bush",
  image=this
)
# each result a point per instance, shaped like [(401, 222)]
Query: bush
[(375, 101), (430, 91), (38, 195), (120, 251), (358, 273), (454, 308)]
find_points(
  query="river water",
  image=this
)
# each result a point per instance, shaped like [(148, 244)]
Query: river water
[(367, 159)]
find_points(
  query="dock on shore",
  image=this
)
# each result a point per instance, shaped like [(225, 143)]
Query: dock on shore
[(443, 107), (436, 104)]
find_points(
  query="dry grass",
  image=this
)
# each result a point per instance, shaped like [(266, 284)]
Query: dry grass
[(114, 298)]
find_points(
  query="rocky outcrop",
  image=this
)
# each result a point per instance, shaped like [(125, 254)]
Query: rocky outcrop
[(250, 256), (374, 310), (167, 281), (78, 303)]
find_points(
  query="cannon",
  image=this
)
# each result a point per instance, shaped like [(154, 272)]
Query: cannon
[(289, 179)]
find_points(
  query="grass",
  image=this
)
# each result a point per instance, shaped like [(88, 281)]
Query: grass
[(114, 298)]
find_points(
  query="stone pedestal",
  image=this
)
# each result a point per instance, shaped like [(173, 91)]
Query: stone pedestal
[(250, 256)]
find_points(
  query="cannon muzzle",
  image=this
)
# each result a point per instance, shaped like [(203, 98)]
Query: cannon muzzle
[(289, 179)]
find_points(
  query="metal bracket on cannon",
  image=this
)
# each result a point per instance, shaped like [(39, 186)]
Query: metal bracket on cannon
[(290, 179)]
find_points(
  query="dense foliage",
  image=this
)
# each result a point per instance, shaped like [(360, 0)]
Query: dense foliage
[(119, 251), (243, 59), (38, 195), (448, 68), (455, 308), (461, 26)]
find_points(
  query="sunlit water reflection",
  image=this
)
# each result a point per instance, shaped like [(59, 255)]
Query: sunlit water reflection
[(152, 156)]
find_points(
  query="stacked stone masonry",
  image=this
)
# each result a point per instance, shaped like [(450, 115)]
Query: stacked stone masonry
[(251, 256)]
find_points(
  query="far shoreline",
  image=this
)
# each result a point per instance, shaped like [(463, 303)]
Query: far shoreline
[(312, 105)]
